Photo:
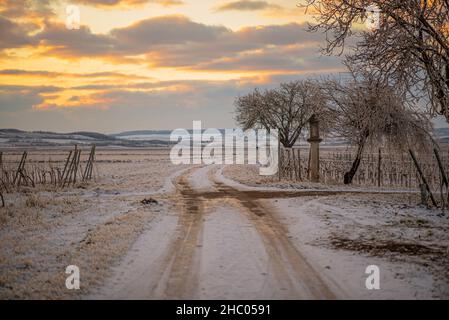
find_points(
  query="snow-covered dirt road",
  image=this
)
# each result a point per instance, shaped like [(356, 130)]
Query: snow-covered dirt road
[(225, 244)]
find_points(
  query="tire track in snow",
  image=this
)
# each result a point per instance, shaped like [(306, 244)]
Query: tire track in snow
[(291, 270), (182, 278)]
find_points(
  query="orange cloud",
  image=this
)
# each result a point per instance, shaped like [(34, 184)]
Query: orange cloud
[(245, 5), (66, 100), (51, 74), (128, 3)]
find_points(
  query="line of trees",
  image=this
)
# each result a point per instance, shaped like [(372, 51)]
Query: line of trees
[(363, 109)]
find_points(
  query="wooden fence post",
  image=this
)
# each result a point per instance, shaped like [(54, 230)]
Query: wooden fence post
[(440, 165), (71, 169), (77, 163), (279, 158), (89, 175), (19, 172), (90, 162), (308, 167), (65, 167), (86, 169), (379, 168), (444, 179), (423, 178)]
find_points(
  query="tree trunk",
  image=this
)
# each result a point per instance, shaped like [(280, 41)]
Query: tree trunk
[(287, 143), (284, 142), (355, 165), (447, 74)]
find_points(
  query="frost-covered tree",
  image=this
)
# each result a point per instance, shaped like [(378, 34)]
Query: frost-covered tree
[(370, 112), (287, 108)]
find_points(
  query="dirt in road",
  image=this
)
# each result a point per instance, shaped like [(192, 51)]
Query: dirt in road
[(224, 238)]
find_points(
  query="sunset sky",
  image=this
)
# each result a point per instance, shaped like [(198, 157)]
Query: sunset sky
[(147, 64)]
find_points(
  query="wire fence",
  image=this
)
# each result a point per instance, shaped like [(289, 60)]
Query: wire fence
[(381, 169), (69, 170)]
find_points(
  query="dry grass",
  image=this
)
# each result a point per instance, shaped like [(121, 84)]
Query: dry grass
[(35, 201), (43, 230)]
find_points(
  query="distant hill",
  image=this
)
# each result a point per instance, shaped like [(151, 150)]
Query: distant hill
[(150, 132), (93, 135), (442, 134), (141, 132), (13, 138)]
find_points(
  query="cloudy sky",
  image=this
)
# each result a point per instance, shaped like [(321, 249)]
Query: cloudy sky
[(147, 64)]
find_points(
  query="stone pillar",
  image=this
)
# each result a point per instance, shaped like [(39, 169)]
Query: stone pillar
[(314, 141)]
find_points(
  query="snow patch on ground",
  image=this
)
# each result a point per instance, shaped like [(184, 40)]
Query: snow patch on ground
[(315, 223), (343, 234), (138, 274), (234, 264)]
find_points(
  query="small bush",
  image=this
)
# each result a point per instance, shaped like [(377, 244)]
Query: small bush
[(33, 201)]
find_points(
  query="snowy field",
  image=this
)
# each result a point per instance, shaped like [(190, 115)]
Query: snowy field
[(43, 231), (345, 233), (216, 232)]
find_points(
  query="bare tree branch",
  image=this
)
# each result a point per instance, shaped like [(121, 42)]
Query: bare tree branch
[(287, 108), (410, 49)]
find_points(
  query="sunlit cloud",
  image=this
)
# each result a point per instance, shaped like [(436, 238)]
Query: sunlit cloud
[(178, 42), (267, 9), (50, 74), (128, 3), (189, 58), (245, 5)]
